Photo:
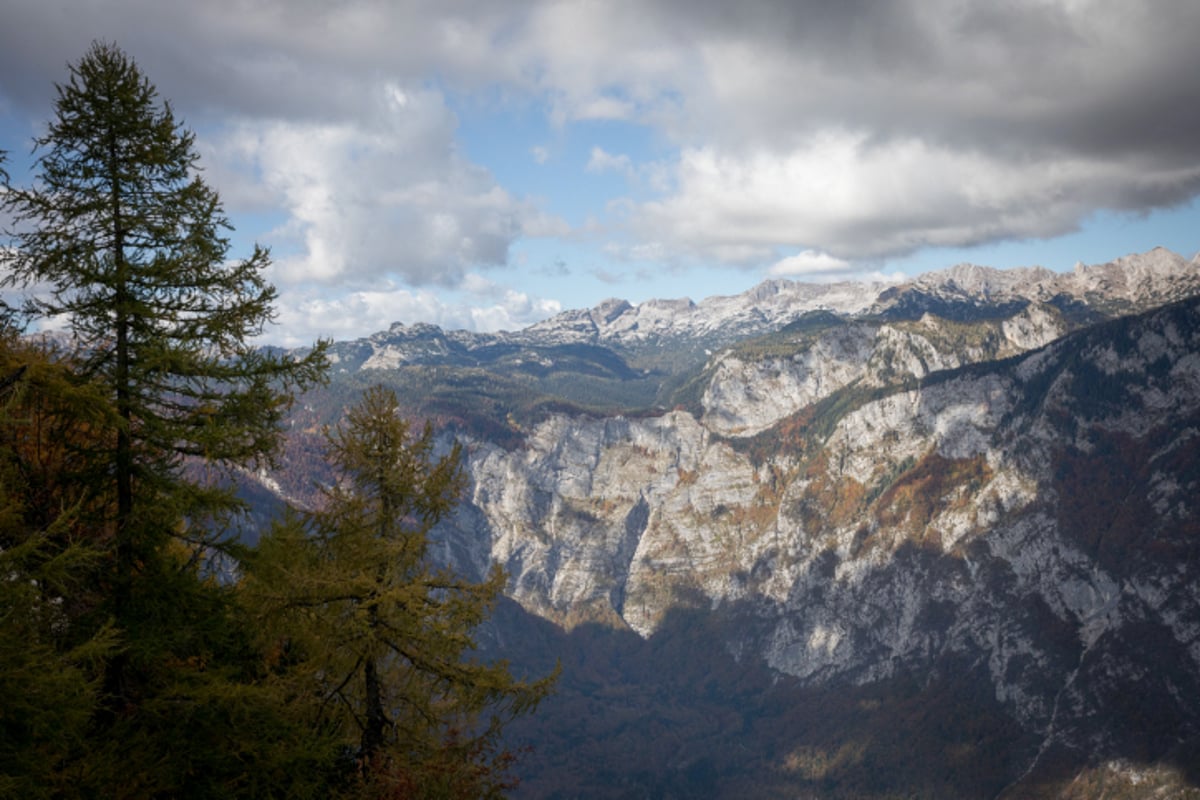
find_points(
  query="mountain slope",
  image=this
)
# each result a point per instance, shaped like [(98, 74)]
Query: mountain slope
[(620, 358), (964, 508), (1032, 523)]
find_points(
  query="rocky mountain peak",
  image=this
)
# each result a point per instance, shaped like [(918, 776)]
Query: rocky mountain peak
[(1127, 284), (610, 309), (1159, 274), (974, 492), (974, 281)]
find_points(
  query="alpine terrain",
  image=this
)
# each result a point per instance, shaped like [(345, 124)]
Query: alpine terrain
[(936, 539)]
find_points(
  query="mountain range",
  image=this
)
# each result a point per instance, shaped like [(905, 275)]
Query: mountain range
[(934, 539)]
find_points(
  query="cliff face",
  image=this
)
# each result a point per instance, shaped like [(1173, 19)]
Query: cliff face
[(1033, 514), (971, 471), (748, 391)]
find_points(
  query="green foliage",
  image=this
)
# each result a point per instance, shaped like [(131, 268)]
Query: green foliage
[(125, 670), (51, 658), (49, 685), (200, 718), (368, 636), (130, 241)]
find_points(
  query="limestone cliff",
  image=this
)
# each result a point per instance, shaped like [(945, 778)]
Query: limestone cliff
[(864, 482)]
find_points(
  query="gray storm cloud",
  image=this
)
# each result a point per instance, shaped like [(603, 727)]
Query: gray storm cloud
[(859, 129)]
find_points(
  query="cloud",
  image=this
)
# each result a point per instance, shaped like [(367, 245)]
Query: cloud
[(857, 198), (306, 315), (872, 130), (555, 269), (655, 176), (600, 61), (809, 262), (859, 129), (605, 107), (600, 161), (386, 196), (654, 251)]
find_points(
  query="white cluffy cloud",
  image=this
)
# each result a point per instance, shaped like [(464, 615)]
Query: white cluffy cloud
[(809, 263), (861, 199), (850, 132), (307, 314), (600, 161), (391, 197)]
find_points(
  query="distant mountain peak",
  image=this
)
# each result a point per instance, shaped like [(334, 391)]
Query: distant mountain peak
[(1126, 284)]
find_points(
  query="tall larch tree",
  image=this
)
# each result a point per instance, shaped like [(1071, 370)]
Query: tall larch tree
[(133, 246), (120, 238)]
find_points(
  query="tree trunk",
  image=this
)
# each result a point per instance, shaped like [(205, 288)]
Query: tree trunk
[(376, 721)]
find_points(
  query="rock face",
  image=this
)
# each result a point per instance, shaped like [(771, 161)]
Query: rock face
[(1038, 516), (967, 470), (748, 395)]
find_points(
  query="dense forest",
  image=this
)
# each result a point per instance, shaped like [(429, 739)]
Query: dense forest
[(146, 649)]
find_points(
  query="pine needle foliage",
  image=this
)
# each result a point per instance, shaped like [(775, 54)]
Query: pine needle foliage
[(51, 654), (132, 245), (375, 638), (103, 520)]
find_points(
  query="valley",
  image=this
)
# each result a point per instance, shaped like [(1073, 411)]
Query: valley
[(937, 539)]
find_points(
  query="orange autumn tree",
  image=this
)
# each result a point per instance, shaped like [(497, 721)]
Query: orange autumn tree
[(372, 636), (53, 644)]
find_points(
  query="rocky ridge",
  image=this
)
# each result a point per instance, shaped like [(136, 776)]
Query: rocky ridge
[(972, 471), (1036, 517), (1126, 285)]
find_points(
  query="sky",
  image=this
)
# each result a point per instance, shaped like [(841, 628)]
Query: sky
[(485, 164)]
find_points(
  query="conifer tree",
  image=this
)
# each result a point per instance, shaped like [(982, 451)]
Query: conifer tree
[(132, 243), (50, 663), (125, 242), (377, 636)]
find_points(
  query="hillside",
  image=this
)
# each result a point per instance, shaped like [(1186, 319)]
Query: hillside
[(939, 539)]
